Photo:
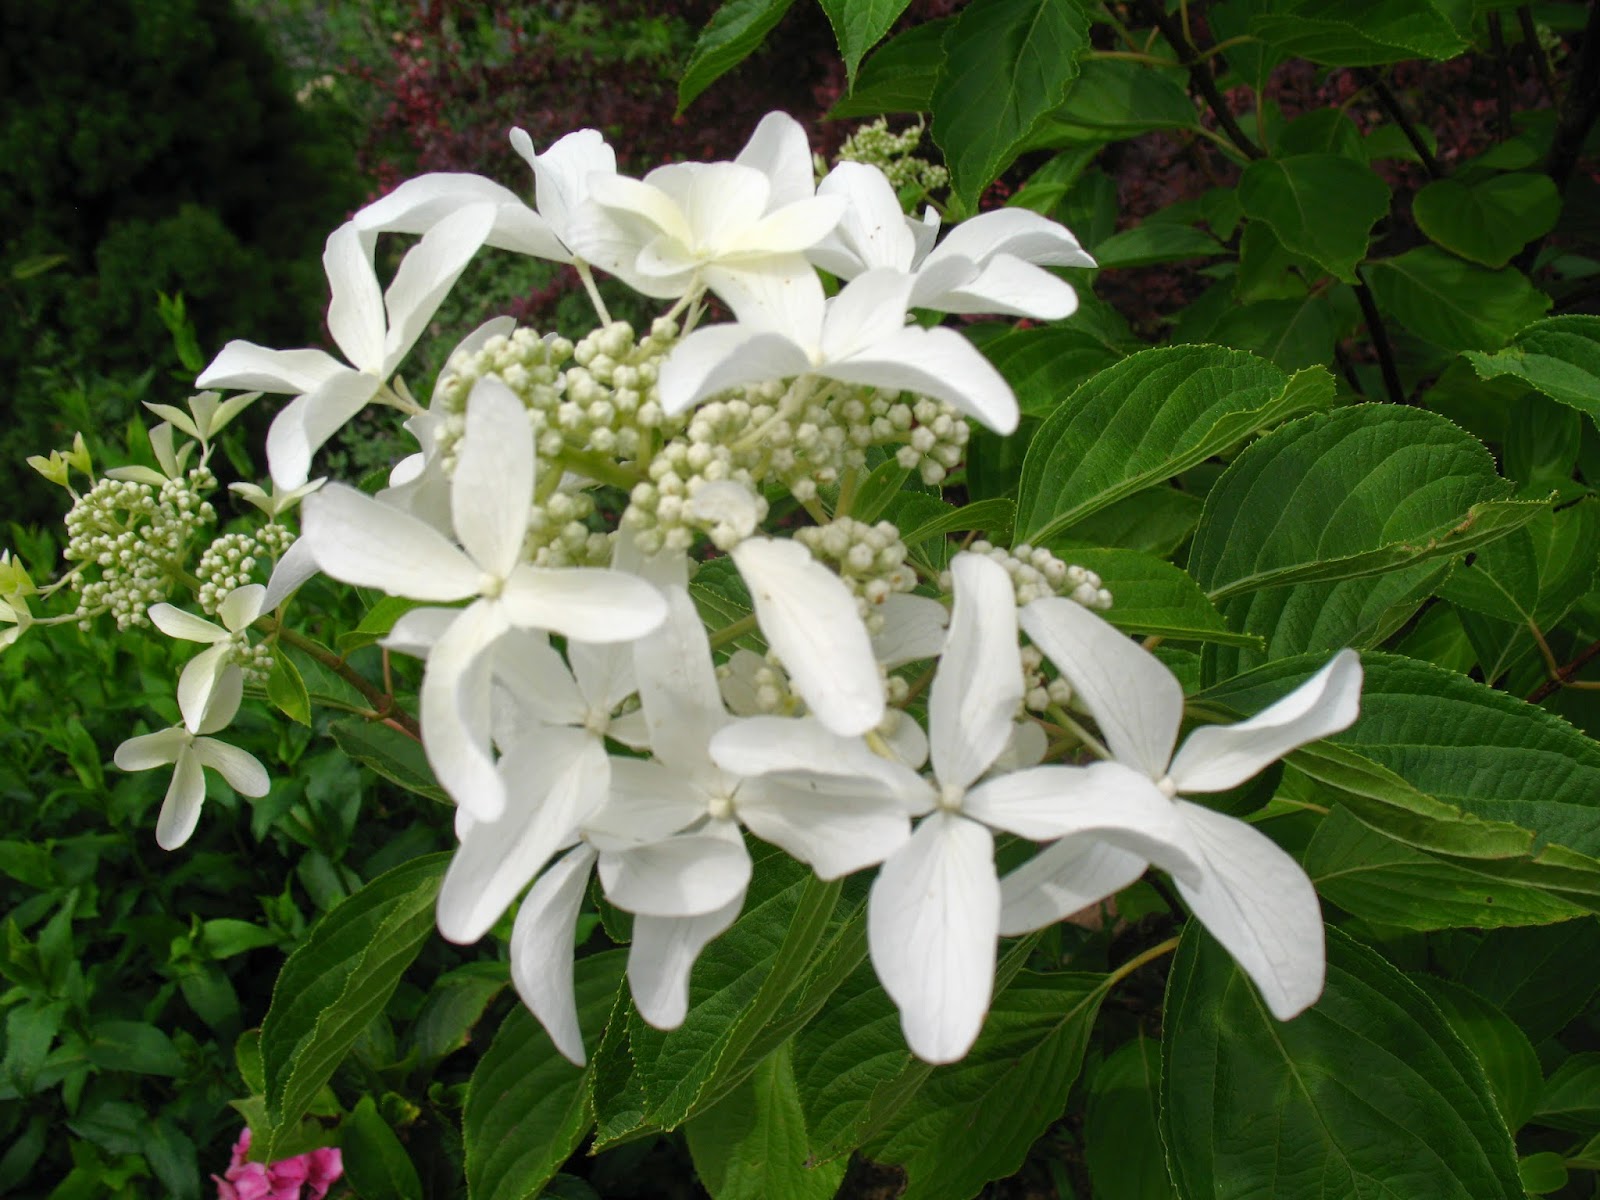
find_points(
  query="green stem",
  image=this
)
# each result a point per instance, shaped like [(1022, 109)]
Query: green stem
[(1138, 960), (383, 704), (1061, 717), (598, 468), (733, 631), (847, 493), (600, 310)]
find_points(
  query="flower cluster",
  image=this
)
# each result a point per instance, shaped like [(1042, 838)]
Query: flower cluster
[(550, 532), (306, 1176)]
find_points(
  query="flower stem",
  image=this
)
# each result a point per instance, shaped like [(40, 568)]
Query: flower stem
[(1138, 960), (383, 704), (587, 277), (733, 631)]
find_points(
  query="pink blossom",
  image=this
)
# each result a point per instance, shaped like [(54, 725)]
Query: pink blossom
[(304, 1177)]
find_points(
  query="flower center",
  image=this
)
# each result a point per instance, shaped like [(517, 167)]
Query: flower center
[(1166, 787), (950, 797), (490, 586), (720, 806)]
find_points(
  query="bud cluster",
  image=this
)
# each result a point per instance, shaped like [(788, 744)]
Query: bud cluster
[(1037, 573), (871, 559), (895, 154)]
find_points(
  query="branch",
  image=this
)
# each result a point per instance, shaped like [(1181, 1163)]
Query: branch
[(1541, 61), (1560, 678), (1200, 75), (382, 702), (1502, 75), (1390, 103), (1380, 341), (1580, 107)]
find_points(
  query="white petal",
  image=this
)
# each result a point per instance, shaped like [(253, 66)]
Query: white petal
[(561, 174), (1064, 878), (530, 673), (805, 753), (978, 687), (427, 273), (788, 230), (906, 738), (542, 946), (1136, 701), (591, 604), (649, 801), (419, 204), (1106, 801), (811, 622), (913, 629), (932, 921), (242, 606), (306, 422), (933, 362), (1015, 231), (416, 631), (678, 685), (522, 231), (454, 704), (180, 810), (222, 704), (151, 750), (356, 539), (240, 768), (355, 312), (176, 623), (724, 502), (870, 310), (663, 953), (834, 824), (1256, 901), (604, 673), (492, 488), (873, 231), (1026, 748), (641, 207), (681, 876), (1005, 285), (552, 783), (1215, 758), (779, 150), (246, 365), (779, 294), (720, 357), (200, 675), (297, 565)]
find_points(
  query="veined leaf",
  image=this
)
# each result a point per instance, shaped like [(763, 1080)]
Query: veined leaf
[(858, 26), (1452, 303), (1149, 417), (398, 758), (1559, 355), (1515, 1079), (1488, 221), (735, 30), (1369, 1092), (1121, 1138), (1046, 365), (1151, 596), (1360, 33), (900, 75), (1320, 206), (1008, 64)]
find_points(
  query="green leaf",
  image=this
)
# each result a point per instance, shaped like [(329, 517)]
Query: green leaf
[(1570, 1098), (376, 1165), (900, 77), (1046, 365), (1367, 1093), (1127, 98), (1322, 131), (1138, 423), (858, 26), (1371, 875), (1489, 221), (1355, 492), (1454, 304), (1503, 1050), (873, 494), (1156, 242), (1543, 1173), (398, 758), (994, 517), (376, 624), (975, 1120), (735, 30), (1360, 33), (1320, 206), (1157, 521), (1008, 63), (455, 1005), (527, 1108), (1559, 355), (1530, 975), (1151, 596), (287, 691), (1293, 334), (133, 1046), (1121, 1140), (332, 987), (752, 1145)]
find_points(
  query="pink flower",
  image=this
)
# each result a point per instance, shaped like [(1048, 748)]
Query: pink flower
[(304, 1177)]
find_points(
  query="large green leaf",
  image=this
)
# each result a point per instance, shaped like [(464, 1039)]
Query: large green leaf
[(1488, 221), (1537, 977), (1046, 365), (1570, 1098), (1127, 98), (858, 26), (752, 1144), (1145, 419), (527, 1107), (1369, 874), (1453, 303), (1507, 1056), (1008, 63), (1292, 333), (1559, 355), (1360, 33), (1355, 492), (1121, 1138), (900, 76), (1368, 1093), (975, 1120), (1157, 521), (332, 987), (735, 30), (1150, 596), (1320, 206), (398, 758), (375, 1163), (1156, 242)]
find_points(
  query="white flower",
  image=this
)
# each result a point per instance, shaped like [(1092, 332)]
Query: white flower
[(375, 330), (789, 329), (992, 263), (238, 612), (189, 752), (934, 912), (562, 175), (360, 540), (716, 224), (1250, 895)]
